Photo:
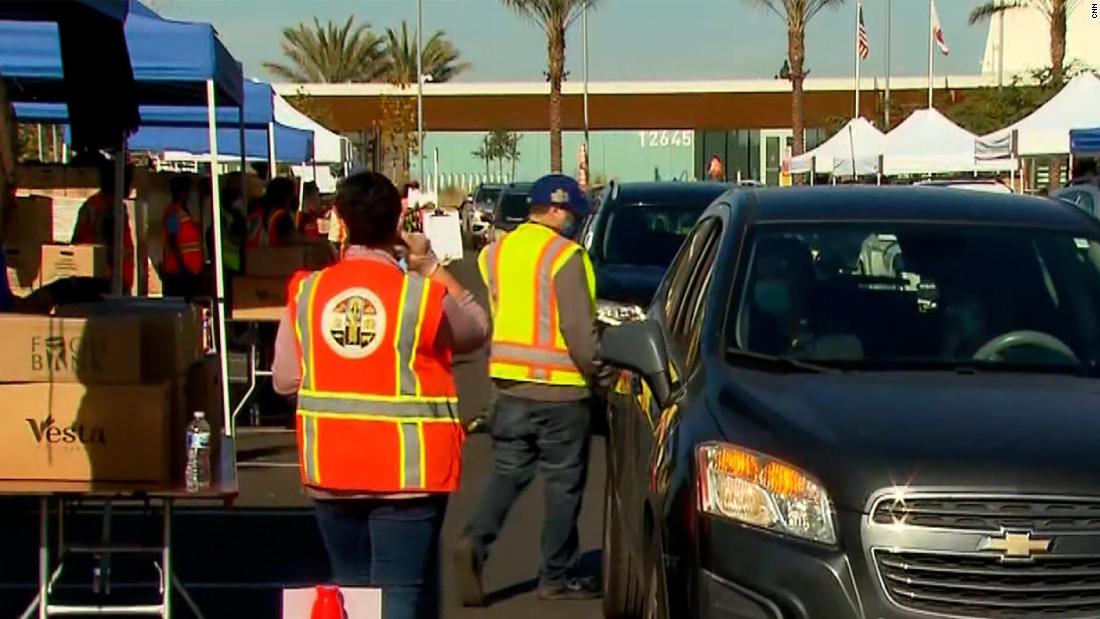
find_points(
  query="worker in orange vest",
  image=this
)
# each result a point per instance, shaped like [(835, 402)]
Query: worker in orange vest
[(95, 222), (367, 348), (271, 219), (183, 260), (311, 213)]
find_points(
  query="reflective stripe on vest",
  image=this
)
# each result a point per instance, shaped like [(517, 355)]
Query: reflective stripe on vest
[(189, 240), (537, 352), (407, 409)]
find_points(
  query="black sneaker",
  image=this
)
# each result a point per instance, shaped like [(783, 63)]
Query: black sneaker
[(576, 588), (468, 574)]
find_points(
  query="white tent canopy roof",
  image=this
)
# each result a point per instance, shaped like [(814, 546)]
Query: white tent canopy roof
[(929, 143), (328, 147), (858, 139), (1046, 130)]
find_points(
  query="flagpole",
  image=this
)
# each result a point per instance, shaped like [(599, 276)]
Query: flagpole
[(420, 89), (888, 23), (859, 5), (931, 37)]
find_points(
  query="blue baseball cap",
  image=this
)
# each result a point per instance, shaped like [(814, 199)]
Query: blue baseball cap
[(561, 191)]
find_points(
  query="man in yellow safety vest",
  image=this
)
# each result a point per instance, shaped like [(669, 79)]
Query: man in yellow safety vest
[(543, 360)]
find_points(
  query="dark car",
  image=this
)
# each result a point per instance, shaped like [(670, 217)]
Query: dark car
[(633, 235), (797, 435), (511, 207)]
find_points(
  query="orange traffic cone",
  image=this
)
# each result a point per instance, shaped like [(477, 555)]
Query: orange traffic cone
[(328, 604)]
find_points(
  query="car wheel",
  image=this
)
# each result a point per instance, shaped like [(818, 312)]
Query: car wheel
[(622, 597), (656, 604)]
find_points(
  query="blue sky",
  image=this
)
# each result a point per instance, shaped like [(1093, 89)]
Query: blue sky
[(628, 39)]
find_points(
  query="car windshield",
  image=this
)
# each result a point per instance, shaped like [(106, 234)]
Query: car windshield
[(646, 235), (514, 207), (900, 295), (487, 194)]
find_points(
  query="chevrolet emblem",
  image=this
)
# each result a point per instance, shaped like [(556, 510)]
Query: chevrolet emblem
[(560, 196), (1016, 545)]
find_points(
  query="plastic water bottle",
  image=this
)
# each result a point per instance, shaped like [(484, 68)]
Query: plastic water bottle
[(198, 453)]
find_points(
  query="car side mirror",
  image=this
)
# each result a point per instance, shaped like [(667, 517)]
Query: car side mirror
[(640, 347)]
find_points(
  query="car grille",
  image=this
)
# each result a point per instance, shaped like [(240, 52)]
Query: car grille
[(987, 587), (995, 514)]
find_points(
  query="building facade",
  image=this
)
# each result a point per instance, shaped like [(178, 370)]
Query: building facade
[(637, 130)]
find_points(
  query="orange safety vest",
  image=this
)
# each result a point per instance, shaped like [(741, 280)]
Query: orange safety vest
[(274, 238), (377, 408), (91, 229), (257, 233), (189, 239)]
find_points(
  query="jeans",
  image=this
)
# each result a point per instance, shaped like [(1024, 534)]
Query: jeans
[(554, 436), (388, 543)]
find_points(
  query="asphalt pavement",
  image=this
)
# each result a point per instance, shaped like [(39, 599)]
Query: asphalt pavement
[(236, 560)]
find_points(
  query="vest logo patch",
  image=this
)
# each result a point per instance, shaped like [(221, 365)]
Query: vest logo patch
[(354, 323)]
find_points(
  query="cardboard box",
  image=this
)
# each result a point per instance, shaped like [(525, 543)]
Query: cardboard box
[(24, 267), (97, 433), (259, 298), (49, 349), (170, 332), (61, 261), (31, 222), (285, 261)]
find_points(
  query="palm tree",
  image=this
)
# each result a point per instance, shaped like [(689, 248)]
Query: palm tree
[(554, 17), (797, 14), (484, 151), (330, 53), (441, 59), (1056, 12)]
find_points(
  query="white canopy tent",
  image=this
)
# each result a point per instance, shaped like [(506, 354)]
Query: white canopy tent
[(1046, 130), (929, 143), (328, 146), (852, 151)]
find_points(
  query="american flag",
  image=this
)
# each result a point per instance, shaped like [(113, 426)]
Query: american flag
[(863, 43)]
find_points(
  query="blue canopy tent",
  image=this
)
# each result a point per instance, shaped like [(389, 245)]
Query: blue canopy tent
[(1084, 141), (183, 128), (174, 64), (291, 145), (90, 57)]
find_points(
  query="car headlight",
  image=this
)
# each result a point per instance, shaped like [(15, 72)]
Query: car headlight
[(614, 313), (757, 490)]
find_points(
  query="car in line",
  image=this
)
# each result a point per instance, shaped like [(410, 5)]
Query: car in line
[(478, 214), (969, 184), (633, 234), (793, 435), (510, 210), (1085, 196)]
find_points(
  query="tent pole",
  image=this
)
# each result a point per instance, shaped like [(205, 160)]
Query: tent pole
[(219, 275), (119, 208), (270, 151)]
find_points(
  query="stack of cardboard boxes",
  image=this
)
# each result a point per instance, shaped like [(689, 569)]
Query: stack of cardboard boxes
[(261, 294), (102, 394), (34, 259)]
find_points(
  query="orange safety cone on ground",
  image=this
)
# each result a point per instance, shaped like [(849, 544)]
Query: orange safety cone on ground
[(328, 604)]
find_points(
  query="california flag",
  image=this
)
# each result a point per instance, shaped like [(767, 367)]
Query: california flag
[(937, 31)]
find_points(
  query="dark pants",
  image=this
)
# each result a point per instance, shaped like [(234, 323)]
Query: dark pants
[(388, 543), (554, 436)]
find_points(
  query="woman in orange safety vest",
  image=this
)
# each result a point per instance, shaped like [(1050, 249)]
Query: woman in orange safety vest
[(95, 223), (367, 348), (183, 260)]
